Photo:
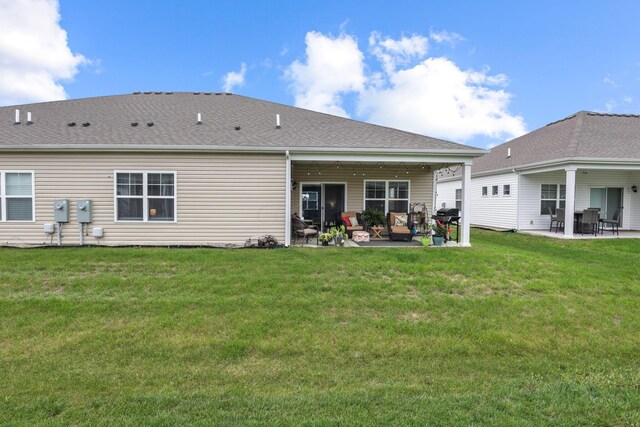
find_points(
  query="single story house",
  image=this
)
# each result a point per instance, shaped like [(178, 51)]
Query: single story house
[(199, 168), (585, 160)]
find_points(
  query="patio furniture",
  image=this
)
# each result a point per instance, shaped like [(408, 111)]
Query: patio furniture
[(614, 222), (376, 230), (555, 218), (301, 229), (589, 221), (360, 236), (360, 224), (399, 226)]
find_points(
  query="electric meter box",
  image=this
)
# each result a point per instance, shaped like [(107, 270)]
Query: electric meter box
[(61, 210), (85, 208)]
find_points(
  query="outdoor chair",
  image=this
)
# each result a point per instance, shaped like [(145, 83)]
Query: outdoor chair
[(399, 226), (350, 227), (557, 218), (589, 221), (301, 229), (614, 222)]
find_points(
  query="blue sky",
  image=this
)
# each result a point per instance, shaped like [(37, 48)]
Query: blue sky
[(468, 71)]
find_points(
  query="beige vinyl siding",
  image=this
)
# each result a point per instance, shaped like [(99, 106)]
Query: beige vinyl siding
[(420, 181), (221, 198)]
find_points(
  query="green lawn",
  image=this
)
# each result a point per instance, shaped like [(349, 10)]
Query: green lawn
[(516, 330)]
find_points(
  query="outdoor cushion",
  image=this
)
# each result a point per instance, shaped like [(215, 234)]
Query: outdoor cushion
[(401, 220), (355, 228), (310, 232), (347, 221), (354, 220), (400, 229)]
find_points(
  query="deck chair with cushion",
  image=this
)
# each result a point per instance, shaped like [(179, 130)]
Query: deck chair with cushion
[(589, 221), (352, 221), (399, 226), (555, 218), (301, 229)]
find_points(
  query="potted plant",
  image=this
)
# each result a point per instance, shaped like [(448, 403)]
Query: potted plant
[(374, 217), (325, 238), (339, 234), (440, 232)]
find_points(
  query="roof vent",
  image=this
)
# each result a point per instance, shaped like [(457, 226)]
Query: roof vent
[(168, 93), (147, 93), (158, 93), (134, 124), (207, 93), (228, 93), (136, 93), (196, 93), (277, 121), (149, 124), (86, 124), (508, 152), (17, 121), (199, 122), (71, 124), (218, 93), (237, 127), (29, 122)]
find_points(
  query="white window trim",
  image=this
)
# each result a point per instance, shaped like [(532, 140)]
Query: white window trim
[(386, 192), (3, 196), (145, 197), (507, 195), (497, 187), (456, 200), (482, 191), (557, 199)]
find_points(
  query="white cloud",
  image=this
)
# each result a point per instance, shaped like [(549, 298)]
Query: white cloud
[(430, 96), (439, 99), (234, 78), (34, 53), (610, 105), (609, 81), (333, 66), (627, 99), (392, 53), (445, 37)]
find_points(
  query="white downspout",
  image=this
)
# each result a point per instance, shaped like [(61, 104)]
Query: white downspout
[(466, 205), (287, 209), (518, 193)]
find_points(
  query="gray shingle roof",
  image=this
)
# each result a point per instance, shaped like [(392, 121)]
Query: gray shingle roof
[(584, 135), (174, 117)]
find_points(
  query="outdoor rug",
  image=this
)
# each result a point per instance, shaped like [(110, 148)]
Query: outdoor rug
[(389, 243)]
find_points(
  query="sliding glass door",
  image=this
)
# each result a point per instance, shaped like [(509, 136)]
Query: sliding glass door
[(607, 199)]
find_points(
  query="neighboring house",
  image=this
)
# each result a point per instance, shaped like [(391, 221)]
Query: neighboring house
[(585, 160), (201, 168)]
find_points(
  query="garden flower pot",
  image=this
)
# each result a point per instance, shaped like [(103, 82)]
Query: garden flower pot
[(339, 241), (426, 241), (438, 240)]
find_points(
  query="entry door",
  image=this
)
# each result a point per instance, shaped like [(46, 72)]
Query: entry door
[(333, 202), (607, 199)]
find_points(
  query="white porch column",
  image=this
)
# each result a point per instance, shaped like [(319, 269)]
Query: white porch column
[(570, 202), (465, 238), (287, 197)]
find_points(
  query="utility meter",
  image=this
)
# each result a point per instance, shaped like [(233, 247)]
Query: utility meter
[(61, 210), (84, 211)]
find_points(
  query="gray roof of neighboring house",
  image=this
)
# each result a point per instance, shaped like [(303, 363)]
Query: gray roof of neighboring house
[(174, 116), (584, 135)]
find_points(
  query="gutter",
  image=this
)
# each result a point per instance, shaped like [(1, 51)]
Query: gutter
[(250, 149)]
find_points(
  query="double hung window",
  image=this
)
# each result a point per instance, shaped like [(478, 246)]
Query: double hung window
[(145, 196), (16, 194), (387, 196)]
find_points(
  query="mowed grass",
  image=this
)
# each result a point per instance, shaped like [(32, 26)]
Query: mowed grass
[(516, 330)]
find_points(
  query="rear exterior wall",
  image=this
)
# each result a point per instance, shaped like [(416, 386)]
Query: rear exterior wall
[(221, 198)]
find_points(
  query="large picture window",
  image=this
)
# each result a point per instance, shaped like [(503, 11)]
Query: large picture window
[(387, 196), (552, 196), (145, 196), (16, 194)]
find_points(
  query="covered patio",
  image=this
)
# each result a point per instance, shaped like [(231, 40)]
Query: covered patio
[(322, 186), (604, 186)]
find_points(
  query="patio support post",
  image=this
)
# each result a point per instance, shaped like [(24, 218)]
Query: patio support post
[(570, 200), (287, 197), (465, 239)]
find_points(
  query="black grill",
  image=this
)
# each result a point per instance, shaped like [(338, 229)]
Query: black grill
[(449, 216)]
